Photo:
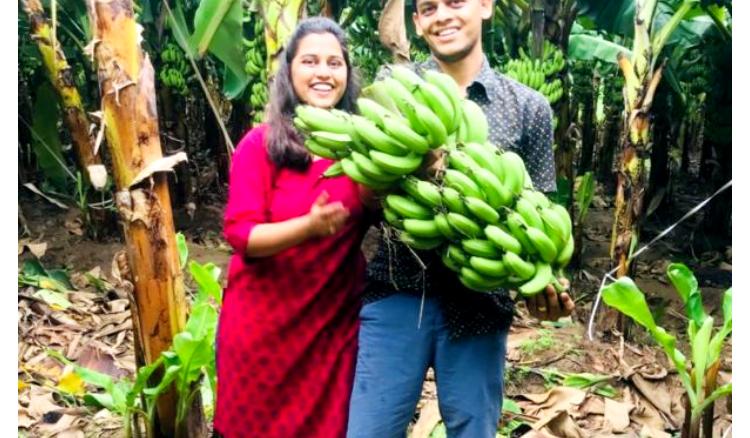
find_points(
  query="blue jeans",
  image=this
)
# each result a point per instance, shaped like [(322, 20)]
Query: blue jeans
[(394, 355)]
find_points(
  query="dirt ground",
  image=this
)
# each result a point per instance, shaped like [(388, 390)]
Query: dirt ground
[(639, 393)]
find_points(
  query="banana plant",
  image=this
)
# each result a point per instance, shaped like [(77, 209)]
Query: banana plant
[(699, 372), (61, 77), (280, 18)]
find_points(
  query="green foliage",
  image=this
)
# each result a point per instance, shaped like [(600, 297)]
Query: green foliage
[(46, 138), (584, 194), (705, 347), (190, 360)]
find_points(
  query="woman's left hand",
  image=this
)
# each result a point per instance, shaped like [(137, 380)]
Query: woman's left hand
[(549, 305)]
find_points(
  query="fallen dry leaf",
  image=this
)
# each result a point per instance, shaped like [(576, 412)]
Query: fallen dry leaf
[(617, 414), (650, 432), (560, 425), (559, 398)]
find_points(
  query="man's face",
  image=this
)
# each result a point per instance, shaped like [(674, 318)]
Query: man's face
[(451, 28)]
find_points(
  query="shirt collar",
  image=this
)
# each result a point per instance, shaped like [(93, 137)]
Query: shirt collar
[(484, 83)]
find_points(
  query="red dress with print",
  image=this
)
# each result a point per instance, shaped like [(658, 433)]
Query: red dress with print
[(287, 338)]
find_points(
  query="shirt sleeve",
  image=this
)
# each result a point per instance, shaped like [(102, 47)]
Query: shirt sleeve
[(538, 154), (249, 187)]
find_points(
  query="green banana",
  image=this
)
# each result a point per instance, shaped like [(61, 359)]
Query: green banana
[(495, 192), (489, 267), (539, 281), (352, 171), (516, 226), (419, 243), (464, 225), (476, 122), (514, 171), (543, 244), (407, 77), (438, 102), (529, 213), (436, 133), (334, 170), (333, 141), (483, 156), (566, 254), (377, 139), (423, 191), (461, 182), (473, 280), (563, 213), (537, 198), (554, 227), (450, 89), (400, 130), (319, 119), (393, 218), (441, 221), (396, 165), (455, 253), (482, 210), (370, 169), (407, 208), (502, 239), (460, 160), (422, 228), (452, 265), (481, 248), (319, 150), (452, 200), (518, 266)]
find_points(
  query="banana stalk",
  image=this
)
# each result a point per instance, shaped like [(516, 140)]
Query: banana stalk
[(61, 76), (126, 81)]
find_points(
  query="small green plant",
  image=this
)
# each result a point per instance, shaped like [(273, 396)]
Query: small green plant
[(699, 373), (189, 363), (543, 341)]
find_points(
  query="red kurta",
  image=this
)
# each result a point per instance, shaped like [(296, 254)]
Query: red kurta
[(288, 328)]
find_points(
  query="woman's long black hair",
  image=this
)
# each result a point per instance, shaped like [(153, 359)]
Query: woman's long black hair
[(285, 145)]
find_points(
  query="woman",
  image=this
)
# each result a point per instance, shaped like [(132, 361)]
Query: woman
[(289, 323)]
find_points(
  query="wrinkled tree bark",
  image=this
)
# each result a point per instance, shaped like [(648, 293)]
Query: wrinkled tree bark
[(126, 80)]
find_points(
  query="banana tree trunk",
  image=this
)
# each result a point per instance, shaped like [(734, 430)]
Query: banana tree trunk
[(631, 180), (126, 81), (61, 76), (588, 128)]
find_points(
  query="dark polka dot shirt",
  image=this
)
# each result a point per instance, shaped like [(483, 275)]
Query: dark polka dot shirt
[(519, 119)]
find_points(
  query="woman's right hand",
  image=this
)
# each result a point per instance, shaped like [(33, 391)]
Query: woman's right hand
[(326, 219)]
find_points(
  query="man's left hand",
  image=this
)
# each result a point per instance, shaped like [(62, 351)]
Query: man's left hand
[(549, 305)]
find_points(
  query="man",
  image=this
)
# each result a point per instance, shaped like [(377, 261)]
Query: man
[(414, 319)]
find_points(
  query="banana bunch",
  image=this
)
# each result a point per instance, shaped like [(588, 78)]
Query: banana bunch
[(400, 119), (480, 210), (539, 74), (501, 232), (255, 67), (174, 69)]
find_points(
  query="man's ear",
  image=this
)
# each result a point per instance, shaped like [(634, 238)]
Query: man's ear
[(414, 20), (487, 8)]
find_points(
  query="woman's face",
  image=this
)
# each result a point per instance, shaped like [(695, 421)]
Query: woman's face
[(319, 70)]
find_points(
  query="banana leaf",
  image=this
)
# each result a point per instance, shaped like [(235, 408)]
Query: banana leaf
[(586, 47), (218, 29), (584, 195), (686, 284), (627, 298), (45, 136)]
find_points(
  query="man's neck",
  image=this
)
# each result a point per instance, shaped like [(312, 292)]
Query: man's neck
[(464, 70)]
